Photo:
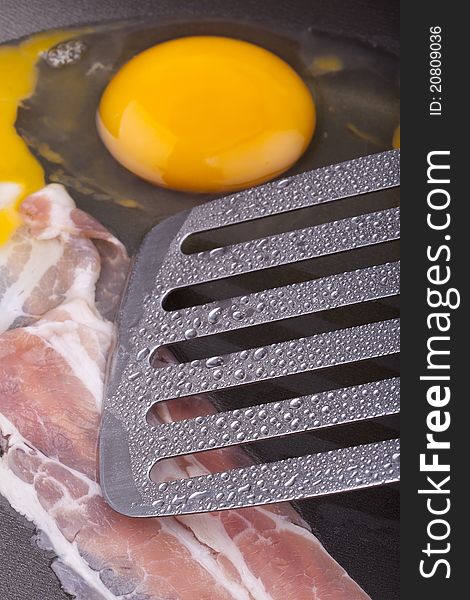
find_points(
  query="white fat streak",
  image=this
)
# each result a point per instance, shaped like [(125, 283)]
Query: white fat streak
[(64, 338), (9, 192), (210, 531), (42, 258), (61, 205), (84, 284), (23, 499), (204, 557)]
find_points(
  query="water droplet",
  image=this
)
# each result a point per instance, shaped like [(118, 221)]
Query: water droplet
[(143, 353), (178, 500), (244, 488), (260, 353), (290, 482), (189, 334), (214, 315), (216, 252), (217, 374), (214, 361), (239, 374), (199, 495)]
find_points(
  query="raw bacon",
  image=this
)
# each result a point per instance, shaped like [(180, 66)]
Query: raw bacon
[(60, 280)]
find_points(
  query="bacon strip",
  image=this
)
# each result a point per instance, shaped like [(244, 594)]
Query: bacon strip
[(60, 280)]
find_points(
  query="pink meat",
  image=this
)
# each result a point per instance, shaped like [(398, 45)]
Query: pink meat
[(51, 386)]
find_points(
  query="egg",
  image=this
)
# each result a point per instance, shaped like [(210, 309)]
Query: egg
[(20, 172), (206, 114), (51, 95)]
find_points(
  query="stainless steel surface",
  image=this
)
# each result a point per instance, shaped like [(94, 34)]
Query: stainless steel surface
[(131, 443)]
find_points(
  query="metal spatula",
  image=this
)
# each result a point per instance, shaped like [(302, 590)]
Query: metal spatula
[(130, 445)]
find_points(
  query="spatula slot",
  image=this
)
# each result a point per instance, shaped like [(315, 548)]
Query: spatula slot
[(273, 420), (342, 435), (325, 380), (282, 330), (273, 449), (307, 270), (309, 216), (277, 390)]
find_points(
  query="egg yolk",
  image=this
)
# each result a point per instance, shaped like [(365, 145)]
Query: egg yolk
[(206, 114), (396, 137), (20, 173)]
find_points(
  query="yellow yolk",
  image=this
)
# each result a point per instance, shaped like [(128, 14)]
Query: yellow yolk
[(396, 137), (20, 172), (206, 114), (325, 64)]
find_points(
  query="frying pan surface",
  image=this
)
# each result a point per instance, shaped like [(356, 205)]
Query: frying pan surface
[(360, 529)]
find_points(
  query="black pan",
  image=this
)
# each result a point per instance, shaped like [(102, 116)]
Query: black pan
[(360, 529)]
